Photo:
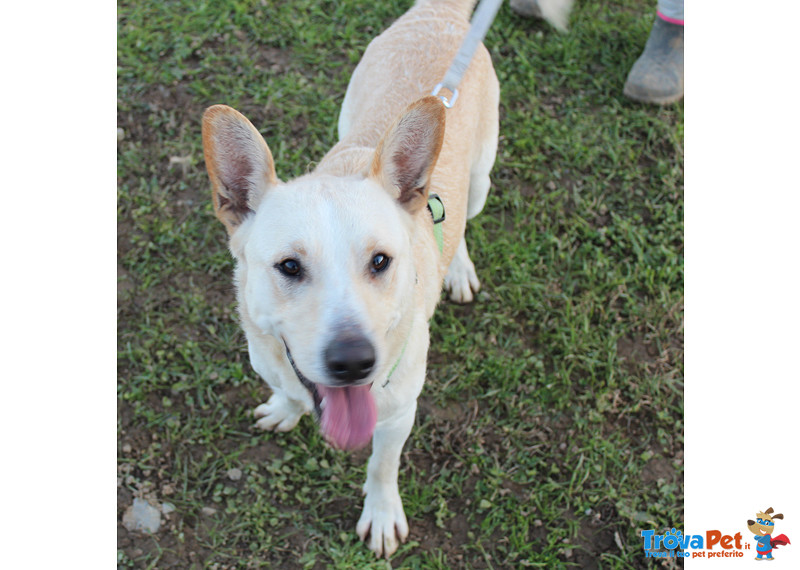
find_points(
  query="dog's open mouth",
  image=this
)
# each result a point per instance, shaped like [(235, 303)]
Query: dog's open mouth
[(347, 414)]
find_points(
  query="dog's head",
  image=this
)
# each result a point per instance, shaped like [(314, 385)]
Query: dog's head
[(325, 264), (765, 522)]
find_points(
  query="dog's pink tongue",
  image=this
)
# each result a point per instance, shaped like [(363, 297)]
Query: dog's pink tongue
[(349, 416)]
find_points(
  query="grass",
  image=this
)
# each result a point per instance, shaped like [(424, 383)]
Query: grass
[(550, 430)]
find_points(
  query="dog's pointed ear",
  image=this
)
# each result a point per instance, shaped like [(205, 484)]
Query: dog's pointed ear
[(238, 162), (407, 153)]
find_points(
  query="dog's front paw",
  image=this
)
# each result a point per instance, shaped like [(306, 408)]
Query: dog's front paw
[(384, 520), (279, 413)]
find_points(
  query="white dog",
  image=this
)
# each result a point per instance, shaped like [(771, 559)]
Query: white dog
[(338, 272)]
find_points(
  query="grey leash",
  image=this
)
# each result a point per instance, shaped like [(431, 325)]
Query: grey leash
[(481, 20)]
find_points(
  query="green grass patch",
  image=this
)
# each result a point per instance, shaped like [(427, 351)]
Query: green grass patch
[(550, 430)]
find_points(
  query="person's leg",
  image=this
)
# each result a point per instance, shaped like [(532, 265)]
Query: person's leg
[(657, 76), (671, 11), (554, 11)]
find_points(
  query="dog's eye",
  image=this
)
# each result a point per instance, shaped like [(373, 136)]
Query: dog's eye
[(289, 267), (380, 262)]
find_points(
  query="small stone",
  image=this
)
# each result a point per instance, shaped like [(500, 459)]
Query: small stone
[(142, 516), (209, 511), (167, 508), (234, 474), (120, 134)]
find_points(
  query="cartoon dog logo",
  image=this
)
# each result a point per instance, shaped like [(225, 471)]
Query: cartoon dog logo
[(762, 528)]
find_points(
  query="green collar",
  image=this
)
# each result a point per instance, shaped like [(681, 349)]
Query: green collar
[(399, 358), (436, 208)]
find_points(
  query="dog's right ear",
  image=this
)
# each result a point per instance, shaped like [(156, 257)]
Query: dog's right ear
[(238, 162)]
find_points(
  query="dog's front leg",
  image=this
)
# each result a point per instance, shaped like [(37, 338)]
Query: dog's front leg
[(383, 518)]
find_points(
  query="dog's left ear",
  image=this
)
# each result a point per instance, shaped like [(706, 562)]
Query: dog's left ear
[(407, 153)]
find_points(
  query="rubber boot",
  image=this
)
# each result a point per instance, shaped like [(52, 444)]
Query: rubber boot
[(657, 76)]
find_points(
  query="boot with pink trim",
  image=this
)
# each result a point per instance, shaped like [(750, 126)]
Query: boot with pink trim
[(657, 76)]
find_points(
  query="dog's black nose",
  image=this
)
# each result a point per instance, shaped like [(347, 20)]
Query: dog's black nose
[(350, 357)]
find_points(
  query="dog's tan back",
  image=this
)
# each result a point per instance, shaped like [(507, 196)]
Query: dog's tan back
[(399, 67)]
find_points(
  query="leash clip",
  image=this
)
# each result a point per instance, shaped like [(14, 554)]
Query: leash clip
[(448, 103)]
